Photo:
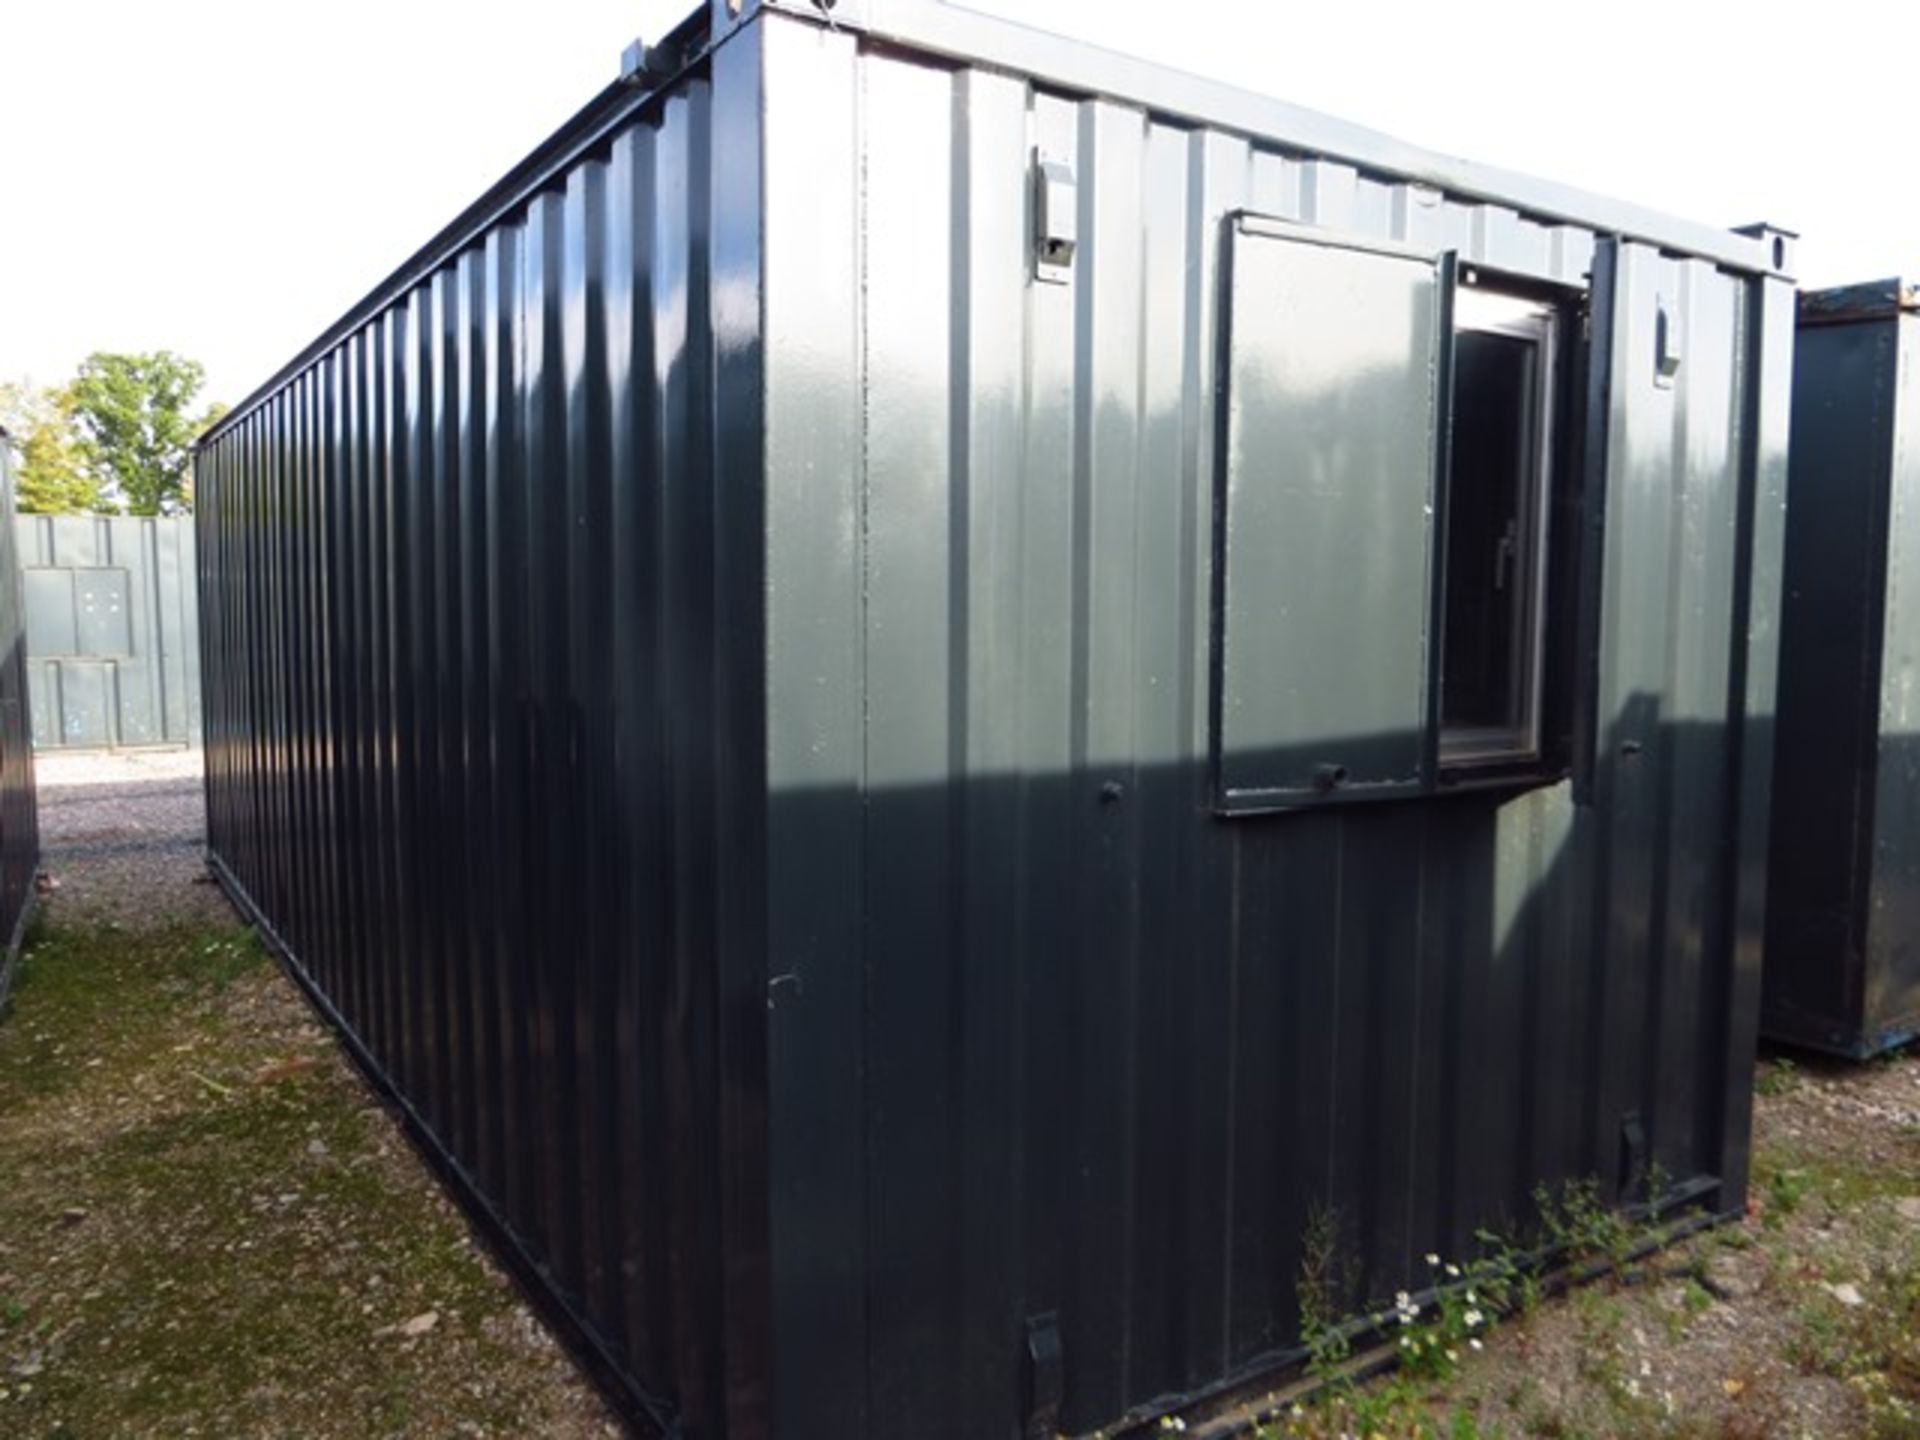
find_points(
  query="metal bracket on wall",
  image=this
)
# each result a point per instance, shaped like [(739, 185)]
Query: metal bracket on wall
[(1779, 241), (831, 11), (1666, 345), (1056, 220), (1633, 1154), (648, 65), (1045, 1374)]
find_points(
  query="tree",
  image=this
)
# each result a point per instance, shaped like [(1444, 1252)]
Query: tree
[(19, 401), (136, 427), (215, 413), (50, 478)]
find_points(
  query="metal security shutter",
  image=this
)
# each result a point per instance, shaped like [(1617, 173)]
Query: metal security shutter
[(1335, 398)]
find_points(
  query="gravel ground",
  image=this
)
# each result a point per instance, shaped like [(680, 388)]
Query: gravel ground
[(208, 1224), (122, 836)]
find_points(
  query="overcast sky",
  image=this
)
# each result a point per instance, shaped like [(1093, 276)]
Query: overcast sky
[(224, 179)]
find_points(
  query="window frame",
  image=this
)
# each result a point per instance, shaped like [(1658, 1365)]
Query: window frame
[(1538, 322), (1567, 499)]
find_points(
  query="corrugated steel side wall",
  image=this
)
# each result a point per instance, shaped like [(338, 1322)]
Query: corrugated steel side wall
[(1842, 971), (483, 737), (19, 816), (1046, 1035), (1893, 978), (113, 634), (1818, 919)]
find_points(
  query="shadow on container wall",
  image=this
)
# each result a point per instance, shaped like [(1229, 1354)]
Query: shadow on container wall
[(1105, 1057), (1102, 1058), (19, 817)]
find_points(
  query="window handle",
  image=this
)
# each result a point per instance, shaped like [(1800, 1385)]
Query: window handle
[(1505, 551)]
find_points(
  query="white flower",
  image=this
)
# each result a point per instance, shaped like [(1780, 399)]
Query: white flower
[(1475, 1343), (1433, 1260), (1473, 1318), (1454, 1271), (1470, 1299), (1453, 1356), (1406, 1342)]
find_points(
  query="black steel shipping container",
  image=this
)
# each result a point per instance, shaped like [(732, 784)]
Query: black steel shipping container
[(19, 818), (925, 685), (1843, 923)]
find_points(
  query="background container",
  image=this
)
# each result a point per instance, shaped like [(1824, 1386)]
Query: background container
[(1843, 926), (19, 819), (752, 679), (113, 633)]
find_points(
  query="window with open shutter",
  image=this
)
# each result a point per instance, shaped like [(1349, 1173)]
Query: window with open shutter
[(1337, 359)]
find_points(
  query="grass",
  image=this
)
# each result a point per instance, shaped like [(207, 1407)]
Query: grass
[(1874, 1346), (1775, 1077), (207, 1227)]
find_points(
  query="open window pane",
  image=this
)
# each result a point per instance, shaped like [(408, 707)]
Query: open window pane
[(1495, 529), (1335, 358)]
